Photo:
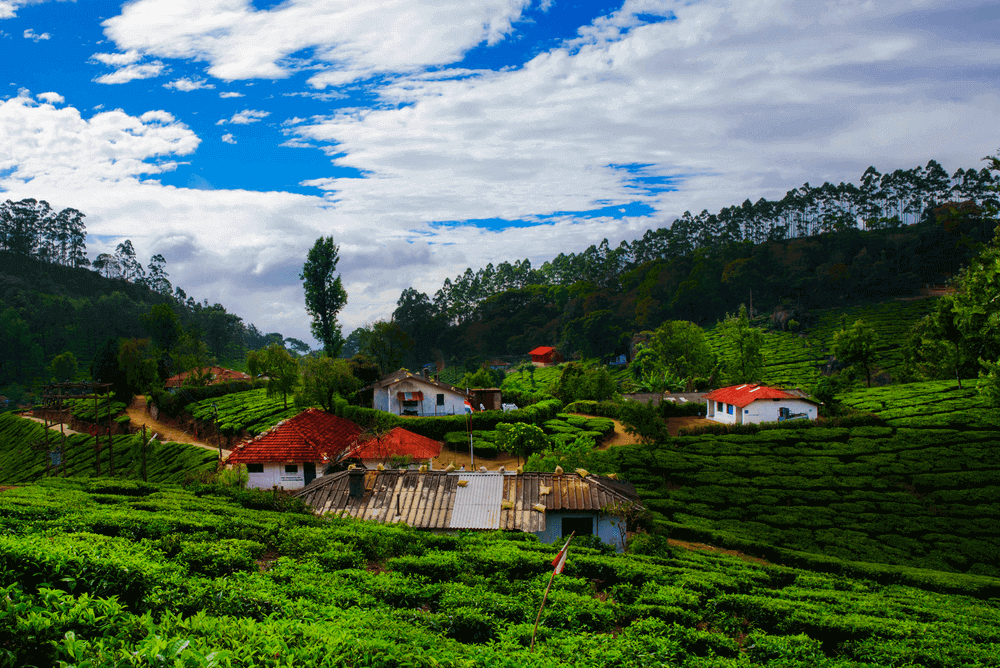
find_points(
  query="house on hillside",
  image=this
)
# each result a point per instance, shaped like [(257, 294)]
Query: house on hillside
[(548, 505), (293, 453), (498, 365), (216, 375), (753, 404), (404, 393), (398, 443), (545, 356)]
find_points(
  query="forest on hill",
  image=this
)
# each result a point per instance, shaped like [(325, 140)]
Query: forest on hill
[(818, 247), (55, 302)]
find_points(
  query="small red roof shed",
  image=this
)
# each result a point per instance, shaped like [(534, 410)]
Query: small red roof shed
[(310, 436), (545, 355), (399, 442)]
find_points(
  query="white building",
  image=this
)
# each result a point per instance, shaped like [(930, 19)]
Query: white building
[(404, 393), (296, 451), (753, 404)]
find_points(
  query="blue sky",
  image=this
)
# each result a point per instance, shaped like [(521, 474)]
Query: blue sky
[(428, 137)]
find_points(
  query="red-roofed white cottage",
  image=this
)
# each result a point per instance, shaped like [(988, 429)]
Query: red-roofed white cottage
[(294, 452), (752, 404)]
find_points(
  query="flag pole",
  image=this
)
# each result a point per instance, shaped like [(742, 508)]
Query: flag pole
[(558, 564), (468, 424)]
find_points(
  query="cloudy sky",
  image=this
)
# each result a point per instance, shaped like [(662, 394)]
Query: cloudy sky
[(429, 136)]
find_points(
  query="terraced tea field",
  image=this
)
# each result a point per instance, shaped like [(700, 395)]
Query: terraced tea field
[(165, 462), (251, 410), (918, 492), (792, 360)]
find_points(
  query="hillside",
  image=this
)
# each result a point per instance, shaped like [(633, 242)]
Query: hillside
[(165, 462), (919, 491), (134, 574), (796, 358)]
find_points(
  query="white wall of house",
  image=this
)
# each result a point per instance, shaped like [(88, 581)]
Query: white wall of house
[(602, 523), (768, 410), (275, 474), (719, 412), (387, 399)]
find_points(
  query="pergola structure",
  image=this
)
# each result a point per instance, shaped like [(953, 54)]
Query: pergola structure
[(53, 396)]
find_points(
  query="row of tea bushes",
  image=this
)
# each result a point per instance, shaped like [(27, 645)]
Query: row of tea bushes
[(202, 581), (930, 404), (21, 462), (914, 497)]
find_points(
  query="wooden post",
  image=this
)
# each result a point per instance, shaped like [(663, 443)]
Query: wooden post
[(144, 444), (111, 443)]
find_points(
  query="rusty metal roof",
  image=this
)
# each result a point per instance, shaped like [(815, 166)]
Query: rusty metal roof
[(439, 500)]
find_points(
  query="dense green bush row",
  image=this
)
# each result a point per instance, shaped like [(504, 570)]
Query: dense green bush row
[(112, 573), (930, 404)]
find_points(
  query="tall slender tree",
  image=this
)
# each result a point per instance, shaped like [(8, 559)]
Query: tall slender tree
[(325, 294)]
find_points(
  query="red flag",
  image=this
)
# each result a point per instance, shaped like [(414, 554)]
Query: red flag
[(560, 561)]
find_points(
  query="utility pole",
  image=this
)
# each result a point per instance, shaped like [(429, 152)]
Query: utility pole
[(218, 436)]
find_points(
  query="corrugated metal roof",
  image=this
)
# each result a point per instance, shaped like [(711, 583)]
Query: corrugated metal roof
[(477, 503), (436, 500)]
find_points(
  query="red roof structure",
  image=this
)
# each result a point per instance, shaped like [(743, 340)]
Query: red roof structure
[(744, 395), (218, 375), (399, 442), (310, 436), (545, 355)]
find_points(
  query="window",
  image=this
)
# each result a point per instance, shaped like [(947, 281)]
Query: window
[(410, 404), (440, 400), (718, 406), (583, 526), (291, 468), (255, 468), (730, 409)]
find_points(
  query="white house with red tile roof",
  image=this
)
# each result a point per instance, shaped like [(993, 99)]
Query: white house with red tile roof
[(397, 443), (294, 452), (404, 393), (753, 404)]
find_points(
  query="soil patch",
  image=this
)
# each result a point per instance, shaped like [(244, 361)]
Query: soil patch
[(716, 550), (168, 431)]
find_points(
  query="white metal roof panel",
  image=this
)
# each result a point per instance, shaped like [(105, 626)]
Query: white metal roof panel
[(477, 504)]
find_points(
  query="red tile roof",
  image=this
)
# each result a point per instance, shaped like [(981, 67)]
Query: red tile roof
[(219, 375), (399, 441), (541, 350), (310, 436), (744, 395)]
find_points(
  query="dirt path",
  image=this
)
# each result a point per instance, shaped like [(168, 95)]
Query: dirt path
[(54, 427), (167, 432), (717, 550)]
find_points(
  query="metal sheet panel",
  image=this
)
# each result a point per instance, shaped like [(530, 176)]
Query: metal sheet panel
[(477, 504)]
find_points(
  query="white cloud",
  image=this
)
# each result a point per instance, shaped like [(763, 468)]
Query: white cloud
[(229, 138), (187, 84), (117, 59), (131, 73), (245, 117), (353, 39), (229, 93), (8, 8), (51, 98), (35, 37)]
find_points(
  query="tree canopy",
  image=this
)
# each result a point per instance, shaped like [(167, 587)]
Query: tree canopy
[(325, 294)]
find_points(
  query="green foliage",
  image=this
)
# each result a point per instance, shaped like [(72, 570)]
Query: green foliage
[(385, 344), (857, 347), (578, 383), (742, 355), (281, 369), (521, 439), (64, 367), (325, 294), (324, 378), (253, 411), (682, 349)]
